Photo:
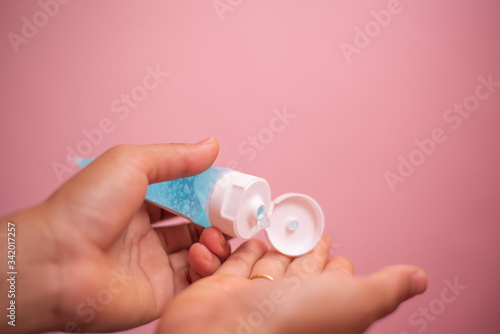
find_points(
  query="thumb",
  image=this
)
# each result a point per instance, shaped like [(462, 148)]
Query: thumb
[(112, 188), (385, 289)]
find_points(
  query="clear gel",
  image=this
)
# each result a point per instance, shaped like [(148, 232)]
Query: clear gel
[(262, 217), (293, 225)]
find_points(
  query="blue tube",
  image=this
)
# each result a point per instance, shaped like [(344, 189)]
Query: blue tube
[(188, 197)]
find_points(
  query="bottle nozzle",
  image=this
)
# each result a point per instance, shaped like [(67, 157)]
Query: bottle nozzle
[(262, 218)]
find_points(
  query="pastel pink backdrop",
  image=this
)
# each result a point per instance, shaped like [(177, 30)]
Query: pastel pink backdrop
[(351, 120)]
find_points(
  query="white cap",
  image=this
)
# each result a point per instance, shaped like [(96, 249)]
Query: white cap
[(235, 201), (297, 223), (240, 205)]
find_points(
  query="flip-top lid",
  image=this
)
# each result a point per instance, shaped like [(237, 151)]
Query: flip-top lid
[(297, 223)]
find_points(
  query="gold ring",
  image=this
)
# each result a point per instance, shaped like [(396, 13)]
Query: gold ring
[(261, 276)]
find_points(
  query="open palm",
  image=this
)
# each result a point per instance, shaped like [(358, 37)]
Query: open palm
[(310, 294)]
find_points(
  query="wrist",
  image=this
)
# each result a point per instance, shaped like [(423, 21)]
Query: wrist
[(29, 274)]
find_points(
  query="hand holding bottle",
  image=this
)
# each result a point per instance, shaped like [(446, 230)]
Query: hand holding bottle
[(88, 258)]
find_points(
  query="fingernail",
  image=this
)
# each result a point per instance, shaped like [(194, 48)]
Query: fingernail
[(208, 256), (418, 282), (208, 140), (222, 240)]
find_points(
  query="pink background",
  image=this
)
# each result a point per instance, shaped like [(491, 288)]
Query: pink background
[(351, 120)]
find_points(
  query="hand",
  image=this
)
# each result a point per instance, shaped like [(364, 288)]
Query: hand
[(88, 258), (310, 294)]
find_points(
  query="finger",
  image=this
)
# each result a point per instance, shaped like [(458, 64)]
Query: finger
[(175, 238), (349, 305), (273, 263), (159, 162), (384, 290), (202, 262), (312, 262), (215, 242), (137, 166), (112, 188), (341, 266), (241, 262)]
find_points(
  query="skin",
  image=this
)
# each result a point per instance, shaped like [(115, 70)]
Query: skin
[(91, 245), (310, 294), (88, 259)]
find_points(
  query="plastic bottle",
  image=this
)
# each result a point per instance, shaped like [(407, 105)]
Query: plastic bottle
[(240, 205)]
